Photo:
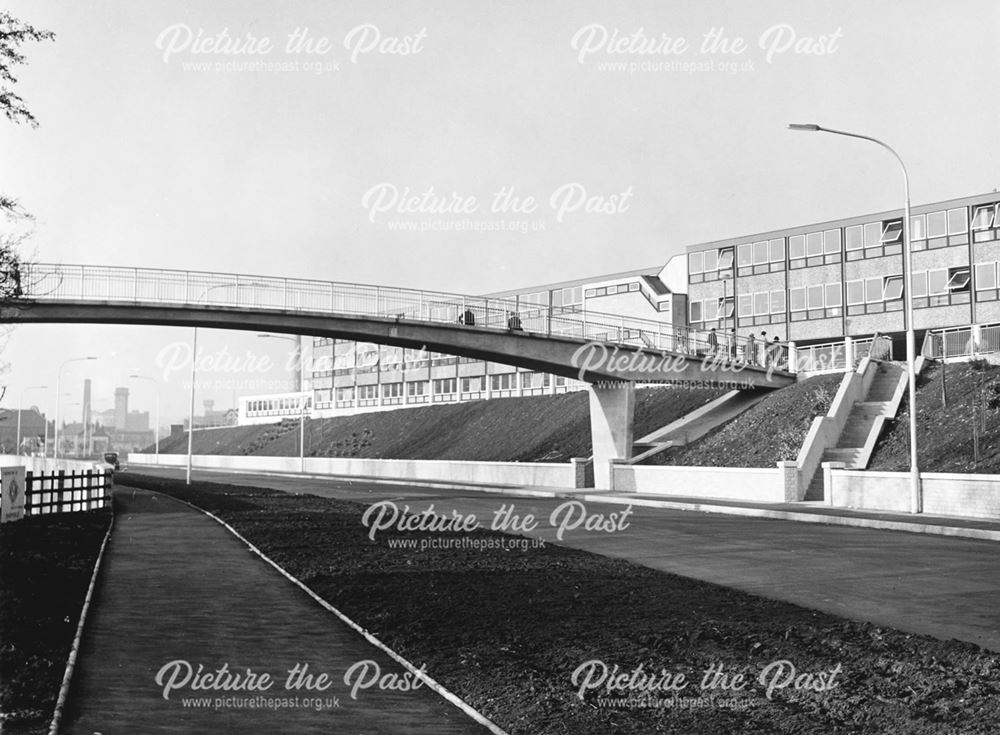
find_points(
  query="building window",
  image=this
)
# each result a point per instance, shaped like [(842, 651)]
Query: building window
[(874, 240), (710, 265), (445, 385), (763, 256), (726, 308), (695, 262), (941, 229), (416, 388), (834, 299), (814, 248), (345, 394), (473, 385), (778, 303), (797, 299), (725, 259), (367, 392), (893, 288), (504, 381), (986, 223), (942, 287), (855, 292), (695, 311), (986, 282), (819, 301), (392, 390), (746, 305), (875, 295)]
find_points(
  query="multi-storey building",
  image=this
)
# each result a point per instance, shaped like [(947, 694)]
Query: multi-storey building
[(806, 284), (845, 277), (351, 377)]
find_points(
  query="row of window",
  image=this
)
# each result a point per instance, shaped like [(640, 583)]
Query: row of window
[(273, 405), (943, 228), (612, 290), (443, 386)]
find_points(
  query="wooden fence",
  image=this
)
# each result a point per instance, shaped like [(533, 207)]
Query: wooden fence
[(63, 491)]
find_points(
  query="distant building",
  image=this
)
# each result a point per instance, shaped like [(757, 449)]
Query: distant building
[(32, 430), (213, 418)]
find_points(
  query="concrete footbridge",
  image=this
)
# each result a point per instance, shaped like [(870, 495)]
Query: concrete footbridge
[(611, 352)]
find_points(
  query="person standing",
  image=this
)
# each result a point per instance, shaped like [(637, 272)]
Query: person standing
[(713, 342), (748, 350)]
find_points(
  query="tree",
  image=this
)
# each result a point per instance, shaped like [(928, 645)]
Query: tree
[(14, 33)]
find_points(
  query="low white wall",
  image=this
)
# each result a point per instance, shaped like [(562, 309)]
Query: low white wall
[(975, 496), (491, 473), (716, 483), (46, 464)]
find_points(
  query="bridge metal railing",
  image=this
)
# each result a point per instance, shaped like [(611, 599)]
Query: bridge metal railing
[(47, 281)]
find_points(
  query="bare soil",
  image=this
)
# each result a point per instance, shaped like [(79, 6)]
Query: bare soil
[(45, 567), (535, 429), (945, 429), (769, 432), (506, 629)]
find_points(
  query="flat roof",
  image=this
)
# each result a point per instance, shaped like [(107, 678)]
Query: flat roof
[(651, 271), (972, 200)]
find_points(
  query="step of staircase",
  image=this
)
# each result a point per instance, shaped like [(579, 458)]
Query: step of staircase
[(815, 491)]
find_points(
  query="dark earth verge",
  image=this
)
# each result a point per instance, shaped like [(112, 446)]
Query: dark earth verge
[(534, 429), (946, 433), (769, 432), (45, 567), (506, 629)]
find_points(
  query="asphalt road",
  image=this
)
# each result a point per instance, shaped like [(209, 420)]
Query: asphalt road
[(936, 585)]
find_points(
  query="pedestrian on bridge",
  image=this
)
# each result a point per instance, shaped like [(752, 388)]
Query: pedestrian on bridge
[(514, 322), (468, 318), (713, 342), (749, 348)]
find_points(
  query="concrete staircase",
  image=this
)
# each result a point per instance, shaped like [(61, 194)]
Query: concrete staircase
[(856, 441)]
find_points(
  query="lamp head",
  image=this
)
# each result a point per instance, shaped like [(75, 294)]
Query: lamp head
[(805, 127)]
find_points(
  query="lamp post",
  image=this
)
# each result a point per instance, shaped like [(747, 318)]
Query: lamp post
[(916, 501), (55, 452), (194, 362), (156, 428), (20, 403), (297, 383), (298, 389)]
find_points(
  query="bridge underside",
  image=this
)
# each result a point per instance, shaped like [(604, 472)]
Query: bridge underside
[(616, 368)]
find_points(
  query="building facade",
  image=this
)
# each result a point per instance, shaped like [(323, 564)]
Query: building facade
[(345, 377), (807, 284), (829, 280)]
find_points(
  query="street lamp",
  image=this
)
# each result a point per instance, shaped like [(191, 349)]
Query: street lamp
[(59, 393), (297, 384), (20, 403), (194, 361), (915, 495), (298, 389), (156, 428)]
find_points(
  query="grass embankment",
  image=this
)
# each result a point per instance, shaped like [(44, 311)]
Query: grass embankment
[(945, 430), (536, 429), (506, 629), (45, 567), (769, 432)]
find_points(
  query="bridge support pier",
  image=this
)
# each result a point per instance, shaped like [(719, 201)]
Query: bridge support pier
[(612, 413)]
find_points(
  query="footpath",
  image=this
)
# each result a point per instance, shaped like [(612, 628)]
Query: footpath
[(179, 594)]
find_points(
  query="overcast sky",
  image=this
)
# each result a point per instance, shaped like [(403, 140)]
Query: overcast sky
[(161, 146)]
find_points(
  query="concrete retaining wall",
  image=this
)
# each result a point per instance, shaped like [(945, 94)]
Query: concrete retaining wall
[(489, 473), (730, 483), (975, 496)]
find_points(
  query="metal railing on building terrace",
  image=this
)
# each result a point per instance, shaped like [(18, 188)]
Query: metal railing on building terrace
[(46, 281), (961, 342)]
